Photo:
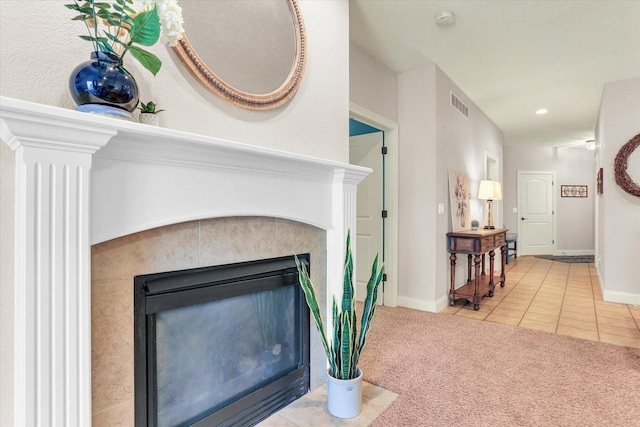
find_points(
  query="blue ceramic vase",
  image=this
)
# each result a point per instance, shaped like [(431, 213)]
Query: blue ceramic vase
[(101, 85)]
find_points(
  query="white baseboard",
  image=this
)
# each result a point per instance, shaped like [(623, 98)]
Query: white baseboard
[(600, 281), (615, 296), (424, 305), (621, 297), (415, 303), (442, 303), (575, 252)]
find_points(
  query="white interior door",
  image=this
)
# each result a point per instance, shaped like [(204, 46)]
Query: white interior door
[(366, 150), (535, 213)]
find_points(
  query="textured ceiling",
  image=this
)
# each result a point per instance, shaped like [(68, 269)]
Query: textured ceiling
[(513, 57)]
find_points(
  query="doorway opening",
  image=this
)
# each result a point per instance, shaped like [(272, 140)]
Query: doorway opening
[(367, 148), (388, 131)]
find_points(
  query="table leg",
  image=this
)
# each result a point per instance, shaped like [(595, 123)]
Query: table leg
[(476, 293), (503, 277), (492, 254), (469, 277), (452, 291)]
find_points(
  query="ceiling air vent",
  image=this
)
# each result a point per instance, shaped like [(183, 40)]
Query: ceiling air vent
[(459, 105)]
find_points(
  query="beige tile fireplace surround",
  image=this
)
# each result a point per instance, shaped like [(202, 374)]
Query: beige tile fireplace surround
[(95, 201), (175, 247)]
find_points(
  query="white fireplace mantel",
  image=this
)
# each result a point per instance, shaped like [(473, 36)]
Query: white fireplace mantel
[(82, 179)]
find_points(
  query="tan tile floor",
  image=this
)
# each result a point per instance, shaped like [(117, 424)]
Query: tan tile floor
[(556, 297)]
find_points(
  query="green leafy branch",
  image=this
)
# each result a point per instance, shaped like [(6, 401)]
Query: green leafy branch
[(126, 29)]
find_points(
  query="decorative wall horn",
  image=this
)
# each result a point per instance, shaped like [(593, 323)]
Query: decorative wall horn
[(620, 166)]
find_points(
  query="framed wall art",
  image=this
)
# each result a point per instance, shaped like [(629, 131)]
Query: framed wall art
[(599, 180), (459, 196), (573, 191)]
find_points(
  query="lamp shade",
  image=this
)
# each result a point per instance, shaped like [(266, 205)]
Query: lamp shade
[(490, 190)]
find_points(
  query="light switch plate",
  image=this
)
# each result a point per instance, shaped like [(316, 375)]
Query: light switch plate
[(441, 208)]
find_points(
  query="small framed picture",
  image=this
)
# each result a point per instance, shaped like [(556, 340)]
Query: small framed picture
[(573, 191), (599, 180)]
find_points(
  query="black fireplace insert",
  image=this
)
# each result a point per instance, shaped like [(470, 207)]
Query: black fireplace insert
[(220, 346)]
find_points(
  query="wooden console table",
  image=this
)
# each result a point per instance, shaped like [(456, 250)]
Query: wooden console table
[(476, 244)]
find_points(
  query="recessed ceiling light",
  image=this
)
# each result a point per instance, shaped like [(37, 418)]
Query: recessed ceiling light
[(542, 111)]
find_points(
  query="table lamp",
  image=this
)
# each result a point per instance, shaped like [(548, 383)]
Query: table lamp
[(489, 190)]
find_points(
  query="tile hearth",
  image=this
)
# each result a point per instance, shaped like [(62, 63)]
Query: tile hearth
[(311, 409)]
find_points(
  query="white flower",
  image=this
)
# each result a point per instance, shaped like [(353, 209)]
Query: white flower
[(170, 14), (170, 21)]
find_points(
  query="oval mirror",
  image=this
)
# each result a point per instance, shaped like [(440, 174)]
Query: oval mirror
[(257, 49)]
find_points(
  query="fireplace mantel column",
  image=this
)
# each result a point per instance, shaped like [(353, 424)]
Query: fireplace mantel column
[(51, 282), (344, 220)]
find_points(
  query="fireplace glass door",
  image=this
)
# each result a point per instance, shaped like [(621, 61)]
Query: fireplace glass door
[(222, 345)]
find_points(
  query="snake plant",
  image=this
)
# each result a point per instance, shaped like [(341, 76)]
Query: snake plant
[(344, 346)]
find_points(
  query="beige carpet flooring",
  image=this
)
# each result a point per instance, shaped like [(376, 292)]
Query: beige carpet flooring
[(452, 371)]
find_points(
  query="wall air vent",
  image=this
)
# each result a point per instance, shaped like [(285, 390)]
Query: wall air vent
[(459, 105)]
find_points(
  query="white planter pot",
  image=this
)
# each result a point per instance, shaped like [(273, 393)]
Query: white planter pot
[(149, 119), (344, 397)]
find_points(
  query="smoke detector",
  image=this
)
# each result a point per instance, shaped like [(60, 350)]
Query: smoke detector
[(445, 17)]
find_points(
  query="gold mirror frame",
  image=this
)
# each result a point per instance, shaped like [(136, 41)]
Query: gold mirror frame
[(250, 101)]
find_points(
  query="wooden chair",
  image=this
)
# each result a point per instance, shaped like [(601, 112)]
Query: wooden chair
[(512, 246)]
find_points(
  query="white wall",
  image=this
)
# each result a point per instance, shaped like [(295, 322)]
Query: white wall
[(435, 137), (461, 145), (39, 49), (372, 85), (618, 211), (417, 188), (574, 216)]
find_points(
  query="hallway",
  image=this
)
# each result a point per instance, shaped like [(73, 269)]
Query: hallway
[(556, 297)]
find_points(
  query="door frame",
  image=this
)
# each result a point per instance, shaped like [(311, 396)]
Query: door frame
[(596, 212), (390, 129), (491, 166), (554, 202), (492, 171)]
